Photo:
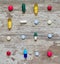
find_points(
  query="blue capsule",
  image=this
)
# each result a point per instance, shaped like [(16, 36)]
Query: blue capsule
[(36, 22), (25, 53), (49, 36)]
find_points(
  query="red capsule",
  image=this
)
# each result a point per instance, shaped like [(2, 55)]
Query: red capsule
[(49, 8), (49, 53), (10, 8), (8, 53)]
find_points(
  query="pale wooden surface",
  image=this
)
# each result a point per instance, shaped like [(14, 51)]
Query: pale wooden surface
[(42, 44)]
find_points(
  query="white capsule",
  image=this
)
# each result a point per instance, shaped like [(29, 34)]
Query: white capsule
[(23, 21), (36, 53), (8, 38), (35, 38), (49, 22)]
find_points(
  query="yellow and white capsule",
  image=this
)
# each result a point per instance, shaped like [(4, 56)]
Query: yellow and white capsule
[(9, 23), (35, 9)]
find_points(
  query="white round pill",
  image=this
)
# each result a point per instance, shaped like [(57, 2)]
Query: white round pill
[(49, 22), (36, 22), (49, 36), (23, 37), (8, 38), (36, 53)]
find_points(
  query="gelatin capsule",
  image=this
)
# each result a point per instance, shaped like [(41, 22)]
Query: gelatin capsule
[(35, 9), (9, 23), (25, 53), (23, 8)]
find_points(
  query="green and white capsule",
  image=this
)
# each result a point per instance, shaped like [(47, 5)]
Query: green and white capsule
[(35, 36)]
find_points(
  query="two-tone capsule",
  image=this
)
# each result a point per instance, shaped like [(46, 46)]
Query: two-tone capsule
[(9, 23), (25, 53), (35, 9), (35, 36)]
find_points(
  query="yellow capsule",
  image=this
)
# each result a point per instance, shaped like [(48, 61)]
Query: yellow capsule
[(35, 9), (9, 23)]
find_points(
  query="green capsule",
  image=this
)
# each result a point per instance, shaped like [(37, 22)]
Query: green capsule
[(35, 34), (23, 8)]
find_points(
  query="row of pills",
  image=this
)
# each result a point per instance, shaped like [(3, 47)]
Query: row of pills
[(36, 22), (25, 53), (23, 37), (35, 8)]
